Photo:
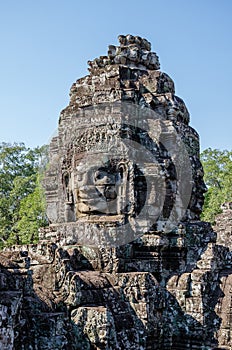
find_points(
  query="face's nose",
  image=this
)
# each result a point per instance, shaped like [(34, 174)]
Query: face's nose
[(110, 193)]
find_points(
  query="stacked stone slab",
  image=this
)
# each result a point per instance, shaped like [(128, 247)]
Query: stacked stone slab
[(163, 289), (223, 227)]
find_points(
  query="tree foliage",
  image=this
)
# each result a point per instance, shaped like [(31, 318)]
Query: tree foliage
[(217, 166), (22, 203)]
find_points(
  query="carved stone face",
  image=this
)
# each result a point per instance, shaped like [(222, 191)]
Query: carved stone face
[(99, 189)]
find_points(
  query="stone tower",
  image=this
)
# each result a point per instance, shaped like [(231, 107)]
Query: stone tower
[(126, 262), (126, 118)]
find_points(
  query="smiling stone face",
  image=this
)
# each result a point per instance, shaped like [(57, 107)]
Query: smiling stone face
[(98, 190)]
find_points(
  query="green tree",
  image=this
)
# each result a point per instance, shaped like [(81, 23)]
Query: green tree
[(22, 204), (217, 166)]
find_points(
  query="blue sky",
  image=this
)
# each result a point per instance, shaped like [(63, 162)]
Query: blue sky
[(45, 46)]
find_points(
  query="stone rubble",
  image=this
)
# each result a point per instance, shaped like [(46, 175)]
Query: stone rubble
[(163, 290)]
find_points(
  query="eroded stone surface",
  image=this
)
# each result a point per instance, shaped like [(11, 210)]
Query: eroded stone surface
[(166, 289)]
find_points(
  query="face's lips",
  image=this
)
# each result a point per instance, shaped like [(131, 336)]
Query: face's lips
[(87, 207)]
